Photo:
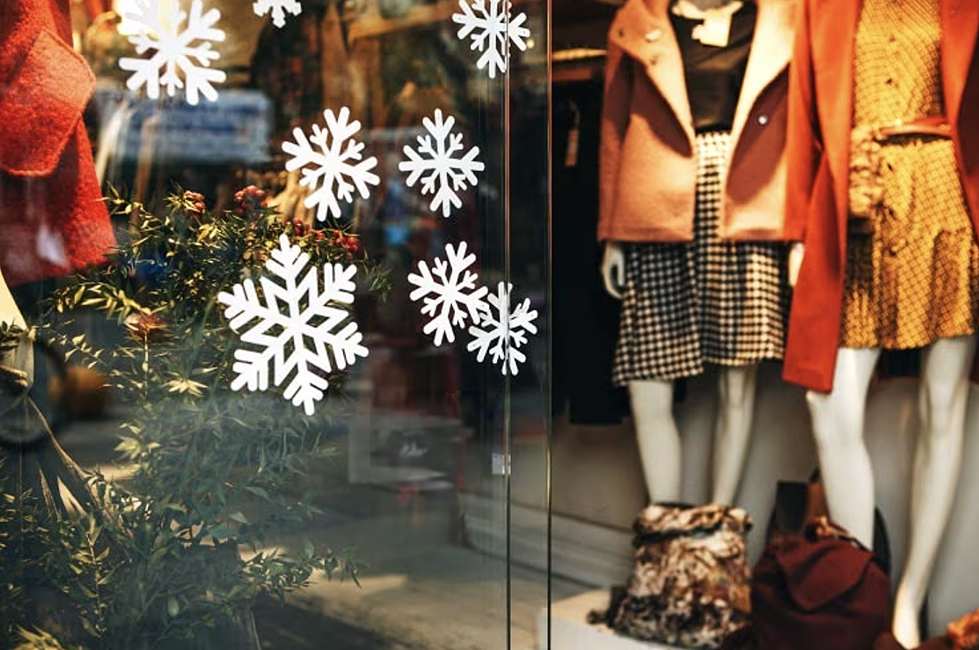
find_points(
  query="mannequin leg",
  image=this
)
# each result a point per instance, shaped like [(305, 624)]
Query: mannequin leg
[(732, 431), (837, 421), (937, 461), (659, 440)]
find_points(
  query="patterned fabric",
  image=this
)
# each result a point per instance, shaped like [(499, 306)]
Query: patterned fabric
[(689, 584), (707, 301), (913, 280)]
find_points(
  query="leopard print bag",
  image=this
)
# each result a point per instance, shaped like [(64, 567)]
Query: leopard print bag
[(689, 585)]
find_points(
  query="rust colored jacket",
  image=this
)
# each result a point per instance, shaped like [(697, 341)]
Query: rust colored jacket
[(820, 121), (648, 166)]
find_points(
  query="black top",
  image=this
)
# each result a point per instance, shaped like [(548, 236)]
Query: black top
[(714, 74)]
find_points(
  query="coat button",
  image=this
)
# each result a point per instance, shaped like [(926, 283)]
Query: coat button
[(654, 35), (763, 119)]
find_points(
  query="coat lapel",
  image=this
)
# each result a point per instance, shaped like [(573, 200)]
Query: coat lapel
[(646, 34), (960, 21), (770, 53), (832, 33)]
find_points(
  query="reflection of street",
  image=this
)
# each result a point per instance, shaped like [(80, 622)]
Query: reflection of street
[(423, 586)]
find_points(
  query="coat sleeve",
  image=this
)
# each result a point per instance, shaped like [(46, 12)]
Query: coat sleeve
[(615, 119), (803, 140), (42, 105)]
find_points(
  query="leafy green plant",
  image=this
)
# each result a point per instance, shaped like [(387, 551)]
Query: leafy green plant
[(177, 552)]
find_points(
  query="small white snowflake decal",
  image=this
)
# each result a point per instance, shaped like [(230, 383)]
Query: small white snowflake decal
[(436, 159), (506, 330), (288, 315), (492, 29), (177, 49), (278, 9), (327, 167), (449, 291)]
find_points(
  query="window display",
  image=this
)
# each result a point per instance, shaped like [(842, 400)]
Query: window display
[(375, 323), (732, 134)]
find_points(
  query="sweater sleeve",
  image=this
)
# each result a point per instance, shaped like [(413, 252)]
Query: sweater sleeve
[(615, 119), (42, 105), (804, 148)]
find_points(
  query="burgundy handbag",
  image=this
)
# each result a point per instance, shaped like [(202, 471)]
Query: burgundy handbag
[(815, 587)]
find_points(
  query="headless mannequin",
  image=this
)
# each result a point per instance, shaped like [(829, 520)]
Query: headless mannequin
[(838, 425), (651, 403)]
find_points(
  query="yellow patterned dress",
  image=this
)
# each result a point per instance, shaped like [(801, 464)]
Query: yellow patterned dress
[(913, 280)]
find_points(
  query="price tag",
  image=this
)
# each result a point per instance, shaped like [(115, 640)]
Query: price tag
[(571, 155)]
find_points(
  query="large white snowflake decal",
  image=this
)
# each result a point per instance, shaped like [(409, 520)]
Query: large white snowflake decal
[(435, 159), (177, 49), (327, 167), (278, 9), (492, 28), (506, 330), (449, 292), (289, 314)]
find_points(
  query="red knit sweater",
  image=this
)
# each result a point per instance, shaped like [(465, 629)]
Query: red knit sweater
[(51, 218)]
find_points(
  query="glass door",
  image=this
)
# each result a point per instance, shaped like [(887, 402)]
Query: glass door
[(276, 329)]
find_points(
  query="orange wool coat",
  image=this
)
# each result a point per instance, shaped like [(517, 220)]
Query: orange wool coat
[(647, 162), (820, 116)]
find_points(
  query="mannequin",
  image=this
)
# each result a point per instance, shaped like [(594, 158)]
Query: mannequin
[(651, 403), (756, 115), (824, 352)]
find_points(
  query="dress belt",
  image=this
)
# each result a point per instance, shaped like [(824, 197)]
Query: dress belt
[(932, 126)]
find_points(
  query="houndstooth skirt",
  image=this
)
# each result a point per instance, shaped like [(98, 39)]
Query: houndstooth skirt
[(706, 301)]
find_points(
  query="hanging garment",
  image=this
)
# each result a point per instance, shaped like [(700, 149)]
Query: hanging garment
[(52, 219), (585, 317)]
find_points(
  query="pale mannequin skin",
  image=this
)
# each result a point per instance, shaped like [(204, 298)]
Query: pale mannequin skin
[(838, 425), (17, 372), (656, 431)]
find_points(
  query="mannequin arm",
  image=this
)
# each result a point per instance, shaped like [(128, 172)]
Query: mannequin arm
[(613, 269), (16, 363), (796, 253)]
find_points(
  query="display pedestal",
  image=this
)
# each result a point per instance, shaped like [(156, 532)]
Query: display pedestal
[(570, 629)]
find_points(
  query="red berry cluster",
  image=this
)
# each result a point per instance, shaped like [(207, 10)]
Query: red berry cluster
[(194, 202), (248, 200), (349, 244), (299, 228)]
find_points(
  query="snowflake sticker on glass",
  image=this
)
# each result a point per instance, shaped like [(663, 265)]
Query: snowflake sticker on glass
[(491, 28), (331, 163), (502, 330), (436, 162), (177, 48), (449, 292), (296, 326), (278, 9)]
